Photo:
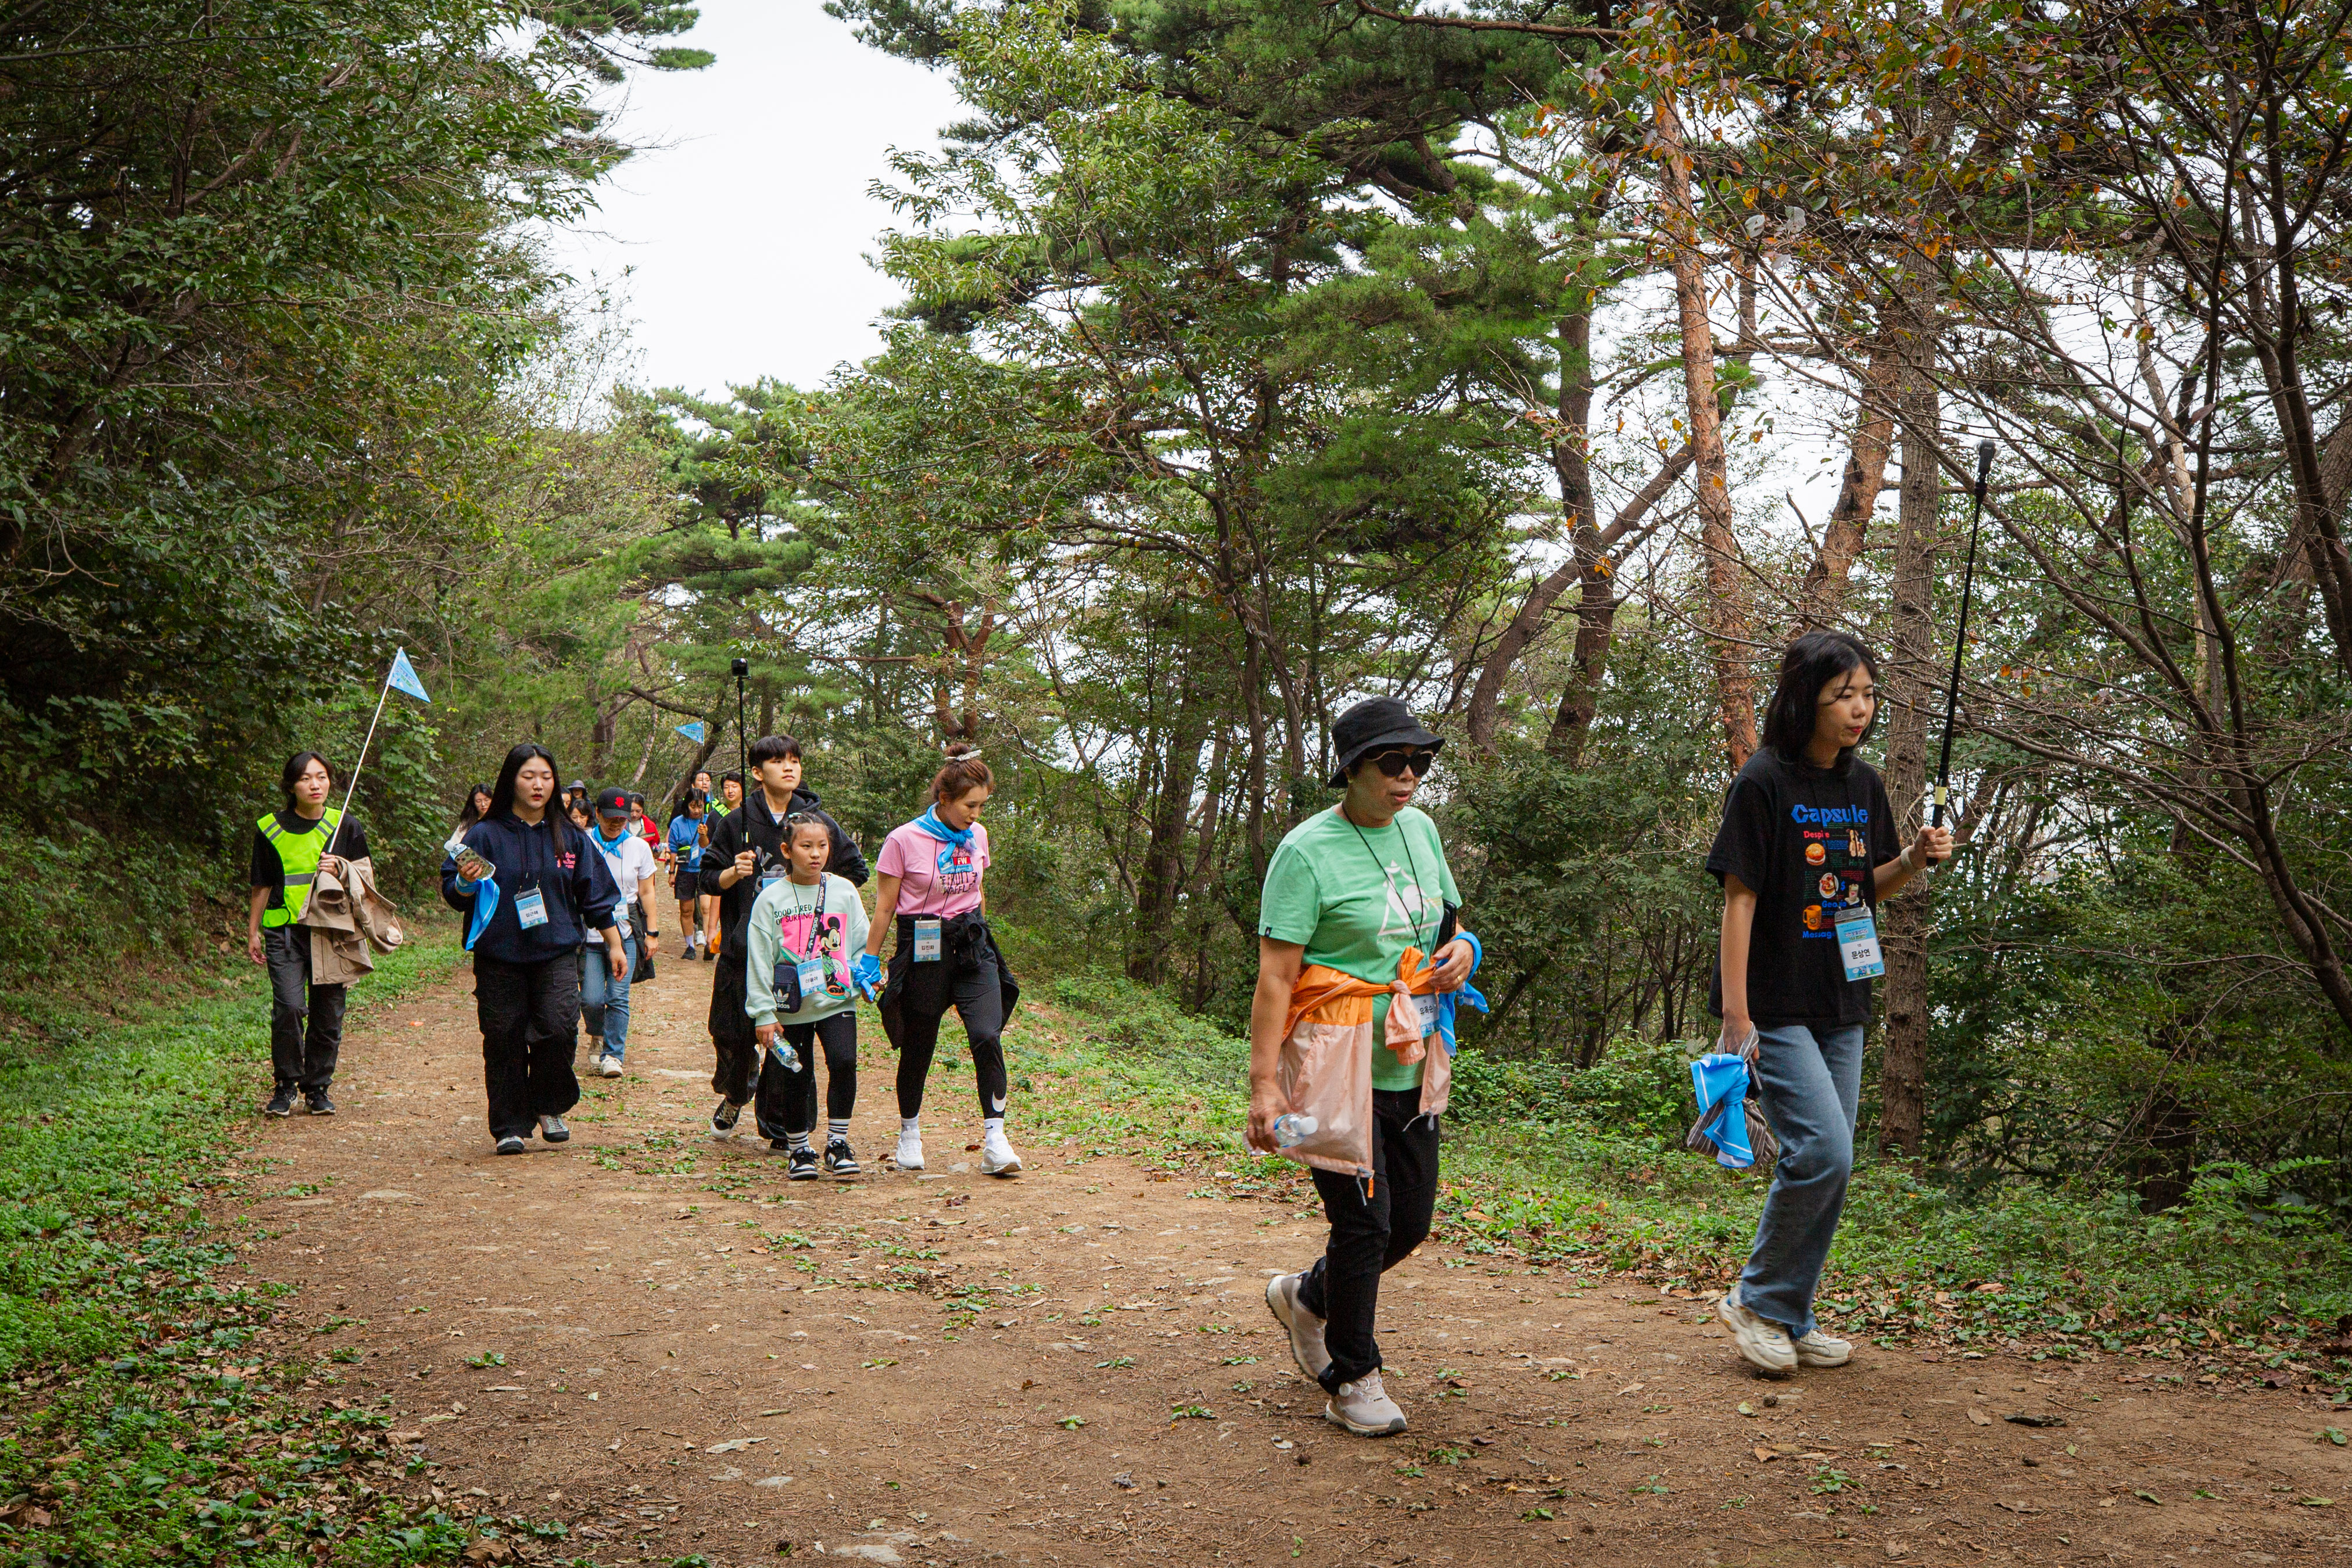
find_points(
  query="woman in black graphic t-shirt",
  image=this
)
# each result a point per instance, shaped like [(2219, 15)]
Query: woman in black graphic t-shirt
[(1807, 848)]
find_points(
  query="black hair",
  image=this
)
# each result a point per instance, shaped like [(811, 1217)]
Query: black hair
[(502, 794), (294, 766), (701, 773), (693, 803), (731, 777), (469, 815), (1807, 666), (799, 819), (773, 748)]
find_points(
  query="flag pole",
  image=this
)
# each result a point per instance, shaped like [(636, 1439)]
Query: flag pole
[(382, 697)]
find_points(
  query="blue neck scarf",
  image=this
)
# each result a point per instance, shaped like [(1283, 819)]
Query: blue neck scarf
[(949, 839), (610, 844)]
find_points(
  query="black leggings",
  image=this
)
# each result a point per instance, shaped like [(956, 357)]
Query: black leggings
[(968, 980), (1371, 1236), (786, 1102)]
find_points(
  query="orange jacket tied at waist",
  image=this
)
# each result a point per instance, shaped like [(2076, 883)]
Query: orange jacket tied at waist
[(1326, 1071)]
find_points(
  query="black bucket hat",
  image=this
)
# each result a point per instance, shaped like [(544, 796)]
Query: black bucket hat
[(1374, 722)]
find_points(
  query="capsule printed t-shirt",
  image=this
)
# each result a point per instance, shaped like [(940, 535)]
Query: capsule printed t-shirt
[(1356, 898), (1806, 839), (925, 887)]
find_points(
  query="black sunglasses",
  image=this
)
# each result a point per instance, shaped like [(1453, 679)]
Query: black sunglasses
[(1394, 763)]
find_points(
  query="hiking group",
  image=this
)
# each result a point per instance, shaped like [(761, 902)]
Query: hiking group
[(1363, 962)]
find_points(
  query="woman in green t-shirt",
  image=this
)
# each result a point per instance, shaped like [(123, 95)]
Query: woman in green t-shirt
[(1350, 889)]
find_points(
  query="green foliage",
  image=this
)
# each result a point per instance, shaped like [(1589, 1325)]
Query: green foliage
[(149, 1417)]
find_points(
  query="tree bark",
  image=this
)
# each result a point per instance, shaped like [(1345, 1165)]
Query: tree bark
[(1903, 921), (1823, 590), (1163, 877), (1728, 620)]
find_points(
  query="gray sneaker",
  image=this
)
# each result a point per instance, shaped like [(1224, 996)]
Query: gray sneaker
[(512, 1145), (1818, 1349), (1764, 1343), (552, 1129), (1365, 1408), (1305, 1330)]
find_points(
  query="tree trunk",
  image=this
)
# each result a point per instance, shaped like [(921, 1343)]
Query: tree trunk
[(1727, 617), (1903, 921), (1164, 872), (1866, 476)]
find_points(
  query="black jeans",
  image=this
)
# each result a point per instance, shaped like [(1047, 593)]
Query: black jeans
[(1370, 1236), (786, 1102), (731, 1034), (971, 983), (531, 1027), (305, 1022)]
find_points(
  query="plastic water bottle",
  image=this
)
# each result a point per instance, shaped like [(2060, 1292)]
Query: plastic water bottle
[(1292, 1129)]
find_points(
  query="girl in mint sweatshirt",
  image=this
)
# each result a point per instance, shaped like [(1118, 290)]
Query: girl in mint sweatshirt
[(802, 931)]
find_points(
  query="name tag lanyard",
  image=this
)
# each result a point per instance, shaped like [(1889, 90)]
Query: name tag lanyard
[(811, 968), (1857, 928), (1425, 1007)]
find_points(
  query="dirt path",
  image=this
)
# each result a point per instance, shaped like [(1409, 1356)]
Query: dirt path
[(1076, 1365)]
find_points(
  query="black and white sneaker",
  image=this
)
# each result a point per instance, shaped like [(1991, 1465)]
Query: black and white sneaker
[(280, 1103), (552, 1129), (723, 1120), (317, 1104), (512, 1145), (804, 1165), (839, 1158)]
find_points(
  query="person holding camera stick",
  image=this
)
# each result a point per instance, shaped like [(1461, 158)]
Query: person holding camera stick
[(797, 944), (746, 856), (729, 800), (1808, 850), (554, 890)]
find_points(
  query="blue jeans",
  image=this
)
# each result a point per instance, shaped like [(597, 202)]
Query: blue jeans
[(1812, 1086), (604, 1000)]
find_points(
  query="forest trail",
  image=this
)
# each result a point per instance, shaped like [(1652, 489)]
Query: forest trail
[(691, 1373)]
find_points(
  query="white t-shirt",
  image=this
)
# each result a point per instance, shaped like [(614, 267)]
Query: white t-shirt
[(628, 860)]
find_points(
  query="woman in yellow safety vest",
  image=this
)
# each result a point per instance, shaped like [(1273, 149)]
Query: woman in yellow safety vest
[(289, 847)]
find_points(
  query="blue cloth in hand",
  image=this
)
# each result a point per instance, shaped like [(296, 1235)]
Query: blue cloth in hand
[(1447, 1001), (486, 904), (866, 971), (1721, 1083)]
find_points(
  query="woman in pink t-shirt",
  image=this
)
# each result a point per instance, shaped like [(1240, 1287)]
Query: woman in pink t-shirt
[(928, 888)]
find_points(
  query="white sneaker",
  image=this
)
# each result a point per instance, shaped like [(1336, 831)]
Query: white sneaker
[(1305, 1330), (608, 1066), (996, 1155), (1764, 1343), (1365, 1408), (1818, 1349), (909, 1157)]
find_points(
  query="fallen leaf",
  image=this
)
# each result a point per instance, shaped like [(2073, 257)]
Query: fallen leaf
[(2150, 1497), (2024, 1419), (2318, 1502), (1631, 1389), (1746, 1408), (733, 1445), (1979, 1416), (1767, 1454)]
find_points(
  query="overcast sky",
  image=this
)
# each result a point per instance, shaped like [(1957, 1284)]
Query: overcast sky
[(745, 226)]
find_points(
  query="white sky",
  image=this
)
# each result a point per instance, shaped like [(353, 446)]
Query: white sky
[(745, 226)]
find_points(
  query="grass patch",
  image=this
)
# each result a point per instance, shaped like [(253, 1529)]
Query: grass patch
[(147, 1413), (1555, 1175)]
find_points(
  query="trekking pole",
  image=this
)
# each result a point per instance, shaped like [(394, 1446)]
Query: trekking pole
[(1960, 641), (742, 740)]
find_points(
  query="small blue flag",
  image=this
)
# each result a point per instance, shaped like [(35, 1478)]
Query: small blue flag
[(404, 677), (693, 732)]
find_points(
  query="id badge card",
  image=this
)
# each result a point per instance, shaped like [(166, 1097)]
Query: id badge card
[(1857, 936), (531, 908), (927, 940), (812, 978), (1424, 1009)]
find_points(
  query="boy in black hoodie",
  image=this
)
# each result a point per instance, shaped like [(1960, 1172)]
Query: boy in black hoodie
[(747, 853)]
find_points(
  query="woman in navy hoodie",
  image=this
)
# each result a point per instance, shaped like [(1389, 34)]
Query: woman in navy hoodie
[(547, 893)]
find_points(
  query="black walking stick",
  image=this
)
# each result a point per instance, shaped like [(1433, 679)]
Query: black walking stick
[(743, 738), (1960, 641)]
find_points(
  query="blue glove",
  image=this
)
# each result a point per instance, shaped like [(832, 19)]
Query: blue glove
[(865, 970)]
